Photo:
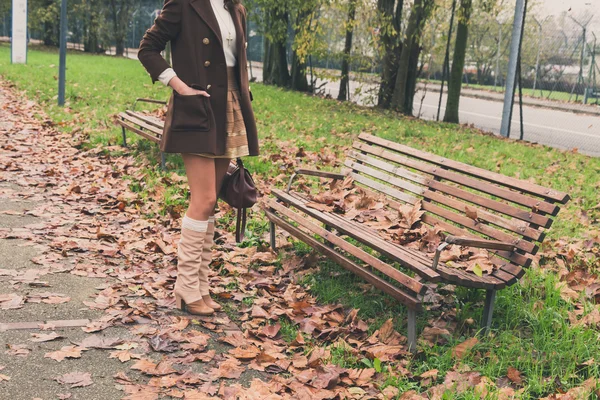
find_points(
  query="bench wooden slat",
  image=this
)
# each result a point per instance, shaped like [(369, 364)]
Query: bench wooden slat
[(148, 119), (455, 275), (370, 234), (524, 215), (482, 186), (372, 237), (514, 270), (385, 166), (405, 259), (445, 213), (467, 222), (515, 226), (139, 131), (141, 123), (405, 298), (519, 228), (431, 220), (384, 188), (503, 208), (398, 276), (506, 277), (513, 183)]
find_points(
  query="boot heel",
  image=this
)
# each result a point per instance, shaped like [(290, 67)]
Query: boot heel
[(180, 303)]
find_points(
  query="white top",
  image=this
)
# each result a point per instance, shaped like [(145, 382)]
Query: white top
[(228, 35)]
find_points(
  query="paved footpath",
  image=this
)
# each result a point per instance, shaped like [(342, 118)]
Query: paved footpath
[(74, 313)]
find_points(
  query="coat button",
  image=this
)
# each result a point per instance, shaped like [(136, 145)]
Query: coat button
[(207, 64), (206, 41)]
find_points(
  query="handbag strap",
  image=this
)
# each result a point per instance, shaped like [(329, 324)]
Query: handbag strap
[(240, 226)]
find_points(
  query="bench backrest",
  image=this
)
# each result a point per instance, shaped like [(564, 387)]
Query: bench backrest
[(460, 199)]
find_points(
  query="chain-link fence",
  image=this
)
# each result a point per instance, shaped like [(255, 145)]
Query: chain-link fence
[(559, 74)]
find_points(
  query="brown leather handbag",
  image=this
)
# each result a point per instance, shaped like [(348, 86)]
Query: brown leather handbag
[(239, 191)]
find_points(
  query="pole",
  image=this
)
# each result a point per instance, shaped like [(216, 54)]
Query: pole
[(537, 59), (498, 53), (511, 78), (63, 54)]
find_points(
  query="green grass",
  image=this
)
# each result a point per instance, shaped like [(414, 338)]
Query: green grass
[(531, 328)]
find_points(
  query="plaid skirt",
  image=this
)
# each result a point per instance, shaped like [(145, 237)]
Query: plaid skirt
[(237, 141)]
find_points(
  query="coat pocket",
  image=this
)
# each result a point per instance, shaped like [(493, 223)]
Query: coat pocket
[(190, 113)]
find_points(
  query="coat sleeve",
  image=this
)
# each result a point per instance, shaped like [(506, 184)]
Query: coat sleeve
[(166, 27)]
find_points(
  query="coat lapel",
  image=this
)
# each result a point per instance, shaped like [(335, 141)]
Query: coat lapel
[(239, 31), (205, 11)]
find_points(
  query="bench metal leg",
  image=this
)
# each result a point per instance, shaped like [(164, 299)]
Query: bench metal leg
[(488, 310), (412, 330), (272, 235), (163, 161), (124, 137)]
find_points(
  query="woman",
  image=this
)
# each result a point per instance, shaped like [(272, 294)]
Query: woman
[(209, 120)]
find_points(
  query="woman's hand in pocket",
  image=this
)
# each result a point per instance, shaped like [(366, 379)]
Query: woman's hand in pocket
[(188, 91), (183, 89)]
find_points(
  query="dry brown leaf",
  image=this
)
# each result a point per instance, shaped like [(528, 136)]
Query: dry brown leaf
[(75, 379), (65, 352), (460, 350)]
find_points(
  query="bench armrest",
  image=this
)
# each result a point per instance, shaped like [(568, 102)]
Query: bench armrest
[(142, 100), (311, 172), (471, 242)]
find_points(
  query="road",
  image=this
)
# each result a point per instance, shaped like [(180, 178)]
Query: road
[(560, 129)]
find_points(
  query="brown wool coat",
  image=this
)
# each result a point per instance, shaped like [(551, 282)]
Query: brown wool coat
[(196, 124)]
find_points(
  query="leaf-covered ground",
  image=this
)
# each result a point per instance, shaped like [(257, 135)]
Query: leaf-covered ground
[(307, 329)]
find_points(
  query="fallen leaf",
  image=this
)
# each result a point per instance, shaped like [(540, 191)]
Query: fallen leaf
[(65, 352), (76, 379), (460, 350)]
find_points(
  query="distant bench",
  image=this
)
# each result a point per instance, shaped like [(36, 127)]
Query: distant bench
[(146, 126)]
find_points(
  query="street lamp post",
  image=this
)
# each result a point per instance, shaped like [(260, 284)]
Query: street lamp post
[(63, 54)]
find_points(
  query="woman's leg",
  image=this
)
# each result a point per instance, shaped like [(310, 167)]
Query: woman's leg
[(221, 166), (200, 172)]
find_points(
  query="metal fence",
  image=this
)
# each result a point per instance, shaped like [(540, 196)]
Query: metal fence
[(560, 71)]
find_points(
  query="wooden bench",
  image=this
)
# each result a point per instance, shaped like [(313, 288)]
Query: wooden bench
[(144, 125), (512, 216)]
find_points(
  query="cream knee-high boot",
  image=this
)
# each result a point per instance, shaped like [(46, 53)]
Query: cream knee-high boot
[(205, 266), (189, 259)]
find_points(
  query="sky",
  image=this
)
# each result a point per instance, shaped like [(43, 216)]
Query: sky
[(575, 8)]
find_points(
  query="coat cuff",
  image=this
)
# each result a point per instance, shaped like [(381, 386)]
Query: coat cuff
[(166, 76)]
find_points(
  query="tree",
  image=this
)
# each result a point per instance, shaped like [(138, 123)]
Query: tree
[(44, 17), (458, 61), (391, 47), (272, 18), (402, 99), (119, 13), (344, 82), (304, 21)]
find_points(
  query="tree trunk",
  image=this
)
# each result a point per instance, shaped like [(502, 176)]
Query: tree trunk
[(458, 62), (276, 65), (401, 99), (299, 81), (345, 81), (392, 47)]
